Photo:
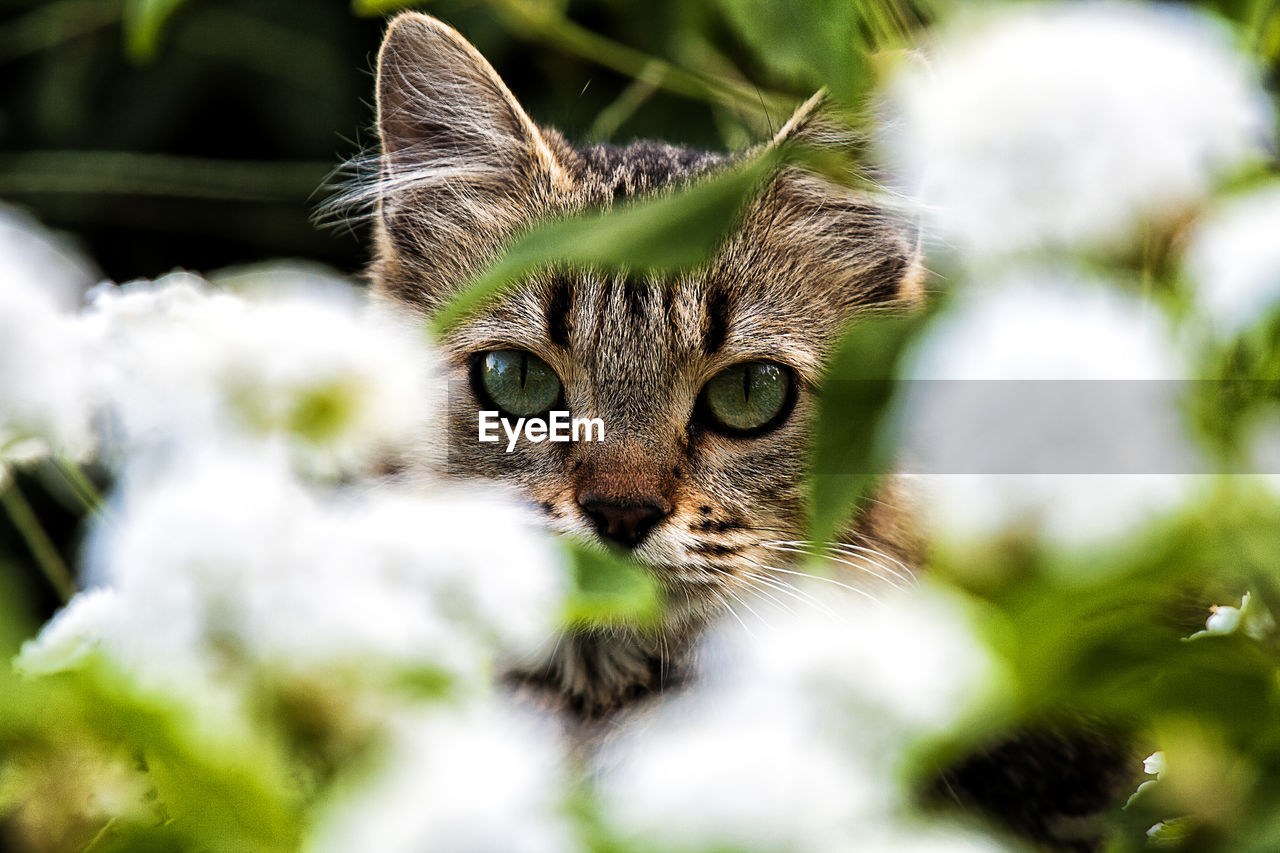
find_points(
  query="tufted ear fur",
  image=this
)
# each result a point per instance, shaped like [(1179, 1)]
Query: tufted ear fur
[(858, 245), (462, 163)]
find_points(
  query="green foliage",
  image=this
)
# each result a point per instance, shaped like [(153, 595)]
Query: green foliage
[(851, 447), (823, 44), (1103, 633), (1110, 640), (380, 7), (610, 590), (223, 790), (655, 236), (144, 23)]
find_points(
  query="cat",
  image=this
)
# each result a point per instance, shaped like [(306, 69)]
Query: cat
[(690, 497), (705, 381)]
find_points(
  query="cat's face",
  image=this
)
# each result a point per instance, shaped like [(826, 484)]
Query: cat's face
[(704, 383)]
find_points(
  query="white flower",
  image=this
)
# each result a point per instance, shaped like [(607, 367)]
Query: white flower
[(185, 365), (230, 561), (1048, 323), (1046, 402), (1059, 125), (1234, 261), (75, 633), (478, 780), (1223, 619), (801, 740), (44, 400), (716, 775), (42, 260), (1251, 616), (1070, 511), (938, 674)]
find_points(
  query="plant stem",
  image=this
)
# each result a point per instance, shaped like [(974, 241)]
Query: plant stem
[(80, 484), (46, 555), (564, 34)]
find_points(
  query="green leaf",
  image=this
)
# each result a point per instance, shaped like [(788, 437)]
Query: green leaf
[(373, 8), (662, 235), (232, 790), (823, 43), (144, 22), (610, 590), (850, 448)]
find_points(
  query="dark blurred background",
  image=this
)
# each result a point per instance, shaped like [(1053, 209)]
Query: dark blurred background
[(212, 145), (201, 133)]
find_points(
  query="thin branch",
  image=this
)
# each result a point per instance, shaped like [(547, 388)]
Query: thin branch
[(42, 548)]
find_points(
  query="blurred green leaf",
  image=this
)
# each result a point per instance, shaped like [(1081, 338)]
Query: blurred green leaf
[(660, 235), (144, 22), (850, 448), (610, 590), (813, 45), (226, 790), (373, 8)]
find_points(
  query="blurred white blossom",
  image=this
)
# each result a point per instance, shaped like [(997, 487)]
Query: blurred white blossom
[(802, 741), (232, 559), (184, 365), (1234, 260), (1049, 323), (44, 399), (719, 776), (938, 672), (1046, 401), (1061, 125), (32, 255), (479, 779)]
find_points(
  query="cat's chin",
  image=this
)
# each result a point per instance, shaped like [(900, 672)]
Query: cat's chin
[(592, 672)]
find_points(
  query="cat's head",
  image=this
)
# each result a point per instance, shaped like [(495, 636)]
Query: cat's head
[(704, 383)]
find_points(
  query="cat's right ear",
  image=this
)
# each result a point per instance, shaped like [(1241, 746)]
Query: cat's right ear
[(463, 165)]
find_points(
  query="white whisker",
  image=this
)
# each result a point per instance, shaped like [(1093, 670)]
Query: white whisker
[(853, 589), (732, 612), (849, 549), (787, 587), (869, 566)]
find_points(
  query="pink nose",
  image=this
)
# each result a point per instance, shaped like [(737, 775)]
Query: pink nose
[(624, 522)]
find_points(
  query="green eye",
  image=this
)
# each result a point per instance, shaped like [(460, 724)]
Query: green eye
[(748, 397), (519, 383)]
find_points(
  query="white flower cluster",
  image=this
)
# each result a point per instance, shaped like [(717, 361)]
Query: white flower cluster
[(802, 744), (1035, 135), (247, 554), (181, 365), (151, 371), (1043, 368), (43, 386), (474, 780), (233, 557), (1064, 125), (1234, 261)]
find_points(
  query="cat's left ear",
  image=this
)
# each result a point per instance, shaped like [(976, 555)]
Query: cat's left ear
[(861, 248), (463, 165)]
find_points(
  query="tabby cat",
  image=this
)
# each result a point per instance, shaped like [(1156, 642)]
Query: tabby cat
[(705, 382)]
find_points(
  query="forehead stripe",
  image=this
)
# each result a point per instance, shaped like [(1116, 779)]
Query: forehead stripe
[(557, 312), (716, 325)]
